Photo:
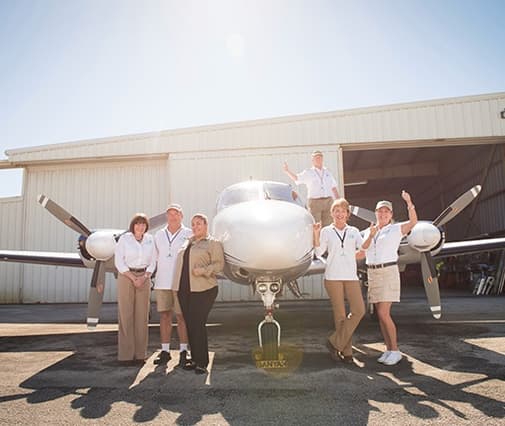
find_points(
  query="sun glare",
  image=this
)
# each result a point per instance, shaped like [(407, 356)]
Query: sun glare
[(235, 45)]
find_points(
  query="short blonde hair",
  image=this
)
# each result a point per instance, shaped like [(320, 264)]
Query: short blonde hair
[(340, 202), (139, 218)]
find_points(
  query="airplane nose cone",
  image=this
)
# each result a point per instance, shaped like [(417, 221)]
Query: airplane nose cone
[(266, 234), (101, 245)]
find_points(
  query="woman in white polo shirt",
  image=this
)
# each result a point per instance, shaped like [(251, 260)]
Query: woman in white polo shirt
[(382, 270), (340, 278), (135, 260)]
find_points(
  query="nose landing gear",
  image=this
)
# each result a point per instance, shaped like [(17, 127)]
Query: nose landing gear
[(269, 330)]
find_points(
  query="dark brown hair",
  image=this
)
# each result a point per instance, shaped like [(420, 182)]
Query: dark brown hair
[(139, 218), (200, 216)]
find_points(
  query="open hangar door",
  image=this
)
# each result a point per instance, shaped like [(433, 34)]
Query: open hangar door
[(435, 176)]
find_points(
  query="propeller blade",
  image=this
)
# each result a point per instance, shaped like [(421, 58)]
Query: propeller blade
[(96, 291), (362, 213), (457, 206), (430, 282), (157, 221), (61, 214)]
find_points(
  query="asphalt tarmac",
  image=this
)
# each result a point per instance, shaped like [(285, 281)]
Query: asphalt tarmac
[(56, 372)]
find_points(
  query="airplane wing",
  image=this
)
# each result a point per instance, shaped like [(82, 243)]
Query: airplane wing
[(472, 246), (42, 258), (317, 266)]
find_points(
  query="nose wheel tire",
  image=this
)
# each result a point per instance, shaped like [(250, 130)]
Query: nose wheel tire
[(269, 338)]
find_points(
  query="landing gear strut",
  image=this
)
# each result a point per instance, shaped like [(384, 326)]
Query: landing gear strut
[(269, 330)]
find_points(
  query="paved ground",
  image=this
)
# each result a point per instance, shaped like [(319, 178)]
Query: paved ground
[(55, 372)]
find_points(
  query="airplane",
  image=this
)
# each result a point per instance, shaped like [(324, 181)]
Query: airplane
[(267, 235)]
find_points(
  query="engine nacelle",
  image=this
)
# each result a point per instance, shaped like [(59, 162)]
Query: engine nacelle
[(425, 236), (101, 244)]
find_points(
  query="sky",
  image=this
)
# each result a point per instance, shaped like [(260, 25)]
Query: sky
[(81, 69)]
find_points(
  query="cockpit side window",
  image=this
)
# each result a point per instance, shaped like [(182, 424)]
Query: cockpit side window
[(281, 192)]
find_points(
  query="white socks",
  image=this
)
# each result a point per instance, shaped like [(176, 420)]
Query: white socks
[(166, 347), (383, 357)]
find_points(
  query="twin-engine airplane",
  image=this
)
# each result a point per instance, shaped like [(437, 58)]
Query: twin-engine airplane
[(267, 238)]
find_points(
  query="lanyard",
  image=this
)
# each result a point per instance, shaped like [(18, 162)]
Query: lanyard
[(170, 241), (342, 239), (375, 243), (376, 237), (321, 177)]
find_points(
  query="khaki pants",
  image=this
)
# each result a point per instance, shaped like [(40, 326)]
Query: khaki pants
[(320, 209), (345, 325), (133, 319)]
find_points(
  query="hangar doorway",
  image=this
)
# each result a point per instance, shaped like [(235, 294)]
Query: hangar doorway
[(435, 176)]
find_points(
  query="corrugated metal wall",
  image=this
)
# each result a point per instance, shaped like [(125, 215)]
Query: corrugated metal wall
[(106, 196), (487, 215), (204, 160), (11, 231), (455, 118), (102, 195)]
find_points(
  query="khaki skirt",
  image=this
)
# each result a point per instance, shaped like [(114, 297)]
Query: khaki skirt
[(384, 284)]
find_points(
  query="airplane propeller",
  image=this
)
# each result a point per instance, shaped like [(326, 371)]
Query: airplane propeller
[(99, 245), (459, 204), (427, 232), (97, 285), (95, 298), (362, 213), (62, 215), (430, 281)]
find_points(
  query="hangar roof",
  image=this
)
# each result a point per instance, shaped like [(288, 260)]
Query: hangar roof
[(409, 124)]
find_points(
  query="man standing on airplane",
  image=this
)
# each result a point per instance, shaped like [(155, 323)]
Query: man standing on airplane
[(168, 242), (321, 188)]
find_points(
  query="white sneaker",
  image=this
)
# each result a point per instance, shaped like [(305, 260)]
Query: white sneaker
[(383, 357), (393, 358)]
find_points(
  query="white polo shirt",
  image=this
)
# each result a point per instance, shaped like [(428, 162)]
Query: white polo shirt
[(167, 247), (131, 253), (319, 182), (384, 246), (342, 246)]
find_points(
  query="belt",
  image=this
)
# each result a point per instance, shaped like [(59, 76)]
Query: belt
[(381, 265), (321, 198), (138, 270)]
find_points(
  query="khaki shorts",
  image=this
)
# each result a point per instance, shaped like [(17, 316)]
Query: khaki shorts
[(320, 210), (167, 300), (384, 284)]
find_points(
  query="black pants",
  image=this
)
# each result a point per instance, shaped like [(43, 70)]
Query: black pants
[(195, 308)]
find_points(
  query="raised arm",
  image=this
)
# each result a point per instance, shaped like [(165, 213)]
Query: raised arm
[(371, 234), (286, 170), (407, 226), (320, 245), (335, 192)]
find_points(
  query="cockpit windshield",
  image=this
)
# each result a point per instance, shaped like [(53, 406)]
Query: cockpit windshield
[(257, 190)]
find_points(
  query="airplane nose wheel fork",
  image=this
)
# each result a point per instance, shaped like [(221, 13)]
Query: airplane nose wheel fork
[(269, 335), (269, 330)]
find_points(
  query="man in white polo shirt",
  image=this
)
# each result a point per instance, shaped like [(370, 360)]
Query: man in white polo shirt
[(321, 188), (168, 242)]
